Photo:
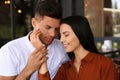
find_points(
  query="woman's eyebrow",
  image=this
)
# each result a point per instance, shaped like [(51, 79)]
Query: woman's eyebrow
[(65, 32)]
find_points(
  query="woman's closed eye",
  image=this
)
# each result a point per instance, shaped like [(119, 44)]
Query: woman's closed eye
[(66, 35)]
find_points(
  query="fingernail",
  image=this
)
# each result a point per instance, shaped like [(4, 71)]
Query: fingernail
[(43, 45), (37, 28), (47, 56)]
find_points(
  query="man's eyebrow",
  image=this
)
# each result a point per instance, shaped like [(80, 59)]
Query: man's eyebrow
[(49, 26)]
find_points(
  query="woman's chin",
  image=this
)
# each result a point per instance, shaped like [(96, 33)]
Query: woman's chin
[(67, 51)]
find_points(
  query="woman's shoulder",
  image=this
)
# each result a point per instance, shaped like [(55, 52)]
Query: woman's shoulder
[(103, 59)]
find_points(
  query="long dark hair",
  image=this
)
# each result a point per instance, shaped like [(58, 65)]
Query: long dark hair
[(81, 28)]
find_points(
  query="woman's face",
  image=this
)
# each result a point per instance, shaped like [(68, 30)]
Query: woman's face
[(68, 38)]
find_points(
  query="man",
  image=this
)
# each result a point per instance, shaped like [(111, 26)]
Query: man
[(20, 59)]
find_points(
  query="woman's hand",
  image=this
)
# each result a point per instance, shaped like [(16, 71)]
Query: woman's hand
[(34, 38), (37, 58)]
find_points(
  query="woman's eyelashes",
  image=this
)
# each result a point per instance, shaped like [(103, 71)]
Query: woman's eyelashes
[(66, 35)]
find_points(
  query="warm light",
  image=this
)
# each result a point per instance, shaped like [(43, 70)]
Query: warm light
[(7, 2), (111, 10), (86, 5), (19, 11)]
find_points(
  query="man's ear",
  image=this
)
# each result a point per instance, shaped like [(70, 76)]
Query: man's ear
[(33, 22)]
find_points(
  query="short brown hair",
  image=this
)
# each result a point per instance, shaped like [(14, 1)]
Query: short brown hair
[(48, 8)]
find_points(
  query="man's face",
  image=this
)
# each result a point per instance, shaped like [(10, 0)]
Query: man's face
[(47, 26)]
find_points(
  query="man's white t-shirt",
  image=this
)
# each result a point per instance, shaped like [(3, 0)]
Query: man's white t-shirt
[(14, 56)]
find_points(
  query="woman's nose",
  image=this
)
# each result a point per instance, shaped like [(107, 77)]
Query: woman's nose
[(61, 39)]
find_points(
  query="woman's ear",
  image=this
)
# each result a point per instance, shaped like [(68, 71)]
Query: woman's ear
[(33, 22)]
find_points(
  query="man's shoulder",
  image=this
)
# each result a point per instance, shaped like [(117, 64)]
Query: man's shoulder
[(15, 42), (56, 41)]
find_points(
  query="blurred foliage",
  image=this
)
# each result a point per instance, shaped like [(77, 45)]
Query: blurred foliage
[(5, 31)]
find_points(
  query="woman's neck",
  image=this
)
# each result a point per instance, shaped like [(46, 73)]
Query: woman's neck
[(80, 53)]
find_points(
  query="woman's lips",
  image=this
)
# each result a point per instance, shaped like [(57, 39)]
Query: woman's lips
[(65, 45)]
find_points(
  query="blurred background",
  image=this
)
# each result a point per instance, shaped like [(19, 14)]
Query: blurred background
[(103, 16)]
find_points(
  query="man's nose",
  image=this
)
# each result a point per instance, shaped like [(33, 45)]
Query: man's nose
[(53, 33)]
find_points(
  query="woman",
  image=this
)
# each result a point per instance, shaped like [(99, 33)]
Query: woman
[(86, 63)]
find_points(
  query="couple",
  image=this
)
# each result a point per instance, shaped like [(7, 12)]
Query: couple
[(39, 56)]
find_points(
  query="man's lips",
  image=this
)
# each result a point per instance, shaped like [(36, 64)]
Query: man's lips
[(49, 39)]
